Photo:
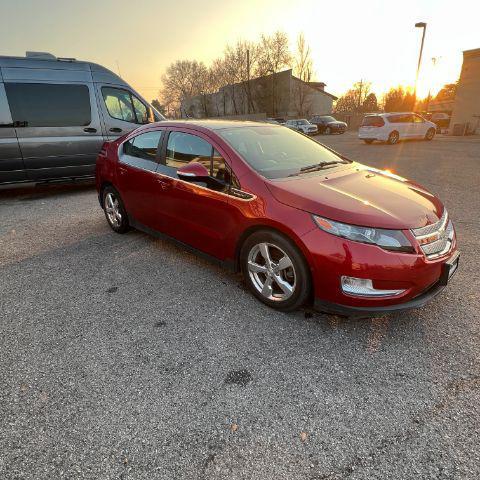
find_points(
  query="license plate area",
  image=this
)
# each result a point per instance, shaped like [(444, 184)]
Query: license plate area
[(449, 268)]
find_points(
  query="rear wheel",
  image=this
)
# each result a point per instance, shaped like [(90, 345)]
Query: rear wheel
[(114, 210), (393, 138), (369, 141), (275, 271), (430, 134), (328, 131)]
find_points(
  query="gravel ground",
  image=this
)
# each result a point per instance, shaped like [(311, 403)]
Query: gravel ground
[(124, 357)]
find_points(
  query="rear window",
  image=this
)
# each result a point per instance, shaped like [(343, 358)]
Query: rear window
[(373, 121), (49, 105)]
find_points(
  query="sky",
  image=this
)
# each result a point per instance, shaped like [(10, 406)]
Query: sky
[(350, 40)]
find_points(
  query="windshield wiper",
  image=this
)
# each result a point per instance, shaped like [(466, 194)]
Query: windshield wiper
[(315, 167)]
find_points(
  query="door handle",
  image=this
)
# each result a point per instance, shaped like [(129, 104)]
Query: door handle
[(90, 130), (115, 130)]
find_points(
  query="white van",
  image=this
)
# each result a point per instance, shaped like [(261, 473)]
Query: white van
[(55, 114), (395, 126)]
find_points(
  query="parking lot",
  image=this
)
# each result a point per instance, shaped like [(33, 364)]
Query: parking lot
[(125, 357)]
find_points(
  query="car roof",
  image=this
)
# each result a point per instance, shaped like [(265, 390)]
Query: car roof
[(213, 124)]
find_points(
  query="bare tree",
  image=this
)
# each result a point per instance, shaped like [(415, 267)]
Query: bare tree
[(303, 69), (183, 80), (273, 55)]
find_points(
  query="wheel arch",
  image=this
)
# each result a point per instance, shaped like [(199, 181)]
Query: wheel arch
[(103, 186)]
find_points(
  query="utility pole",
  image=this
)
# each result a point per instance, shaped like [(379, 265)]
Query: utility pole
[(424, 26)]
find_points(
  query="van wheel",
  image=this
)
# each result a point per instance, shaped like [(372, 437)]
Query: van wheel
[(275, 271), (368, 141), (430, 134), (393, 138), (115, 211)]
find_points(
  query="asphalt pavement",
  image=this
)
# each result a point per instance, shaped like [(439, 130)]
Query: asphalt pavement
[(125, 357)]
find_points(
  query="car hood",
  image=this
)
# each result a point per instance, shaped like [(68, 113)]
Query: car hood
[(360, 195)]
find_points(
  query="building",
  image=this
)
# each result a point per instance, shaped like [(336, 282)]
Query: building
[(466, 107), (278, 95)]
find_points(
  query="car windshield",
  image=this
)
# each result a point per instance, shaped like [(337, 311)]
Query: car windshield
[(327, 119), (277, 152), (302, 122)]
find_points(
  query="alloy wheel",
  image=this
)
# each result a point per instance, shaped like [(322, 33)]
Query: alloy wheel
[(271, 271), (112, 209)]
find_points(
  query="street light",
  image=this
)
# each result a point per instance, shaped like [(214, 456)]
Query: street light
[(424, 26)]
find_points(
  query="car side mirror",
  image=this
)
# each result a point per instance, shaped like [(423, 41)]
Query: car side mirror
[(193, 172)]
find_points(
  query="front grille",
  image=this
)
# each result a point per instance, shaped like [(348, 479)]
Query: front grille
[(436, 239)]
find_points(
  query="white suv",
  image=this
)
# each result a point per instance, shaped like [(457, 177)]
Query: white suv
[(392, 127), (303, 126)]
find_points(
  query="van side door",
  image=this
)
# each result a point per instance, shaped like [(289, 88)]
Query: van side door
[(122, 111), (57, 126), (11, 163)]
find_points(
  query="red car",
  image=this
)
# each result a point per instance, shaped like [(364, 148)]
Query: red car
[(301, 222)]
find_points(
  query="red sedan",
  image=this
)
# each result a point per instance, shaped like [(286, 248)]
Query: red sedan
[(301, 222)]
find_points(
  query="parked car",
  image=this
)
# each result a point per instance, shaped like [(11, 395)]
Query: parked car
[(303, 126), (392, 127), (299, 221), (327, 124), (441, 120), (279, 120), (56, 113)]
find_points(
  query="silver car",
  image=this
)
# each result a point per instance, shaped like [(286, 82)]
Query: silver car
[(303, 126), (55, 113)]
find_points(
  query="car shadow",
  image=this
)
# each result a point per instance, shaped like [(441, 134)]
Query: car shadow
[(33, 192)]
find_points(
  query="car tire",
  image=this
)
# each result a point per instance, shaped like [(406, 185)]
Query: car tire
[(283, 289), (328, 131), (430, 134), (114, 209), (368, 141), (393, 138)]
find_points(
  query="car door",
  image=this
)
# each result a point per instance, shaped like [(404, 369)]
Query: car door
[(11, 162), (195, 213), (136, 180), (122, 111), (57, 126), (408, 125)]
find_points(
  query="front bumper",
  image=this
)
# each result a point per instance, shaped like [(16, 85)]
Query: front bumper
[(331, 257)]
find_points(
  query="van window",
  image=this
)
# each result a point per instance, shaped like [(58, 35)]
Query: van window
[(49, 105), (373, 121), (122, 105)]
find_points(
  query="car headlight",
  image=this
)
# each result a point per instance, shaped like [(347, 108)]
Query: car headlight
[(393, 240)]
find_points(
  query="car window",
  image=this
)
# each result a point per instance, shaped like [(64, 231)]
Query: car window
[(373, 121), (49, 105), (143, 146), (418, 119), (122, 105), (183, 148)]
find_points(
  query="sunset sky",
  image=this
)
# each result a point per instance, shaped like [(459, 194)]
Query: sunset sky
[(350, 40)]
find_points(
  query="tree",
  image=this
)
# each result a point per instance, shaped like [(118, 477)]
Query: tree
[(447, 92), (303, 69), (370, 104), (273, 56), (354, 100), (398, 100), (183, 80), (160, 108)]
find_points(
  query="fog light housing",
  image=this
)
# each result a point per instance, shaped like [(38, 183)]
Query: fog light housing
[(363, 287)]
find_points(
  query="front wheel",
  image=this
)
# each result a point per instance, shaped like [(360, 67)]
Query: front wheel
[(430, 134), (114, 210), (275, 271)]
